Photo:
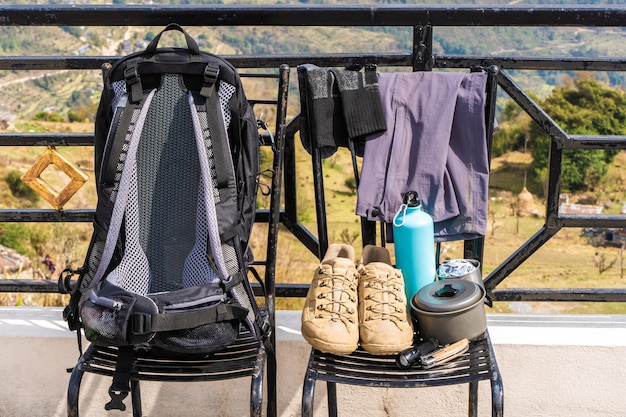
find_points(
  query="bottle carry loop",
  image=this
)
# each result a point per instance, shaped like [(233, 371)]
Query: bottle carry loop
[(402, 211)]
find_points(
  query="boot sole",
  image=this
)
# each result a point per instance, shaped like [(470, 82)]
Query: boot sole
[(324, 346)]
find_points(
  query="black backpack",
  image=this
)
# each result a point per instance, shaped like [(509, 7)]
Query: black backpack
[(177, 164)]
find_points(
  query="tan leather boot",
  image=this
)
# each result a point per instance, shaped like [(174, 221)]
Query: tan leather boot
[(329, 317), (385, 325)]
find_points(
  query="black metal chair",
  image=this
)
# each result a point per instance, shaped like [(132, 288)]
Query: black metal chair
[(247, 357), (364, 369)]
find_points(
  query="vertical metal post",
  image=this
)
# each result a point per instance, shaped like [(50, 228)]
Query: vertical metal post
[(422, 48), (555, 168), (273, 221)]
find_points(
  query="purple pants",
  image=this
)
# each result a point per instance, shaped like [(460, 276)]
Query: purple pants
[(435, 144)]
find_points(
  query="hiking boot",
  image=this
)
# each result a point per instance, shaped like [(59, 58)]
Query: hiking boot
[(384, 321), (329, 317)]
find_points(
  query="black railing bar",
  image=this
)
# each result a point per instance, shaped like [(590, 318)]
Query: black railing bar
[(394, 59), (51, 286), (531, 108), (259, 75), (263, 215), (240, 61), (595, 142), (311, 15), (70, 139), (81, 215), (46, 139), (29, 285), (517, 258), (304, 236), (561, 294), (86, 139), (292, 290), (599, 220), (46, 215), (253, 102), (532, 63), (66, 139), (300, 291), (22, 63)]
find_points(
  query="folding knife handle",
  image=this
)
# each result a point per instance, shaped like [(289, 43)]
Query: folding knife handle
[(445, 354)]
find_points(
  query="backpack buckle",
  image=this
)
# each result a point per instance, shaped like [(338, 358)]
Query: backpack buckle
[(133, 83), (141, 323), (211, 72)]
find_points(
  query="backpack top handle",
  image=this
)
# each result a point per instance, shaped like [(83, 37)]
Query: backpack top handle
[(192, 45)]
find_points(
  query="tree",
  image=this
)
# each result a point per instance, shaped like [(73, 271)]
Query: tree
[(584, 108), (513, 129)]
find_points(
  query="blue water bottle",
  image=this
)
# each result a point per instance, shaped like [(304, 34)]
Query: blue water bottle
[(414, 244)]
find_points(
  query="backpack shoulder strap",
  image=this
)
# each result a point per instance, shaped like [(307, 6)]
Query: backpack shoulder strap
[(218, 134)]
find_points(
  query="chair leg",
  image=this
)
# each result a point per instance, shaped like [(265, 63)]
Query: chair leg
[(497, 389), (73, 389), (256, 389), (473, 399), (308, 396), (497, 396), (135, 393), (272, 407), (331, 388)]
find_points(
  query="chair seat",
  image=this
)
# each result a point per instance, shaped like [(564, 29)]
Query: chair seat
[(246, 357), (362, 368), (243, 358)]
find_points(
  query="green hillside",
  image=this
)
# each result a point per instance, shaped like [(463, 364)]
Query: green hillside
[(19, 88)]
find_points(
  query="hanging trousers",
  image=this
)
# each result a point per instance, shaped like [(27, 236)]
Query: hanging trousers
[(435, 144)]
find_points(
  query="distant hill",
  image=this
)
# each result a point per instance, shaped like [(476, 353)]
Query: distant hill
[(26, 94)]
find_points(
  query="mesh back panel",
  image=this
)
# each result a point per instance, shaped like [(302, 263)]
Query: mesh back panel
[(168, 197), (166, 192), (168, 185)]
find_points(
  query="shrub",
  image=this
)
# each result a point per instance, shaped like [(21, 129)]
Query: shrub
[(16, 236), (18, 187), (47, 116)]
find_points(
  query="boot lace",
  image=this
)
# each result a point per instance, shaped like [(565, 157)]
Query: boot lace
[(338, 297), (385, 295)]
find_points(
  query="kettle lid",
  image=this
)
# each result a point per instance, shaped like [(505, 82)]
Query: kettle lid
[(447, 295)]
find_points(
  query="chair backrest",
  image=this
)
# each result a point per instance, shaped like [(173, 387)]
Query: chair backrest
[(275, 139)]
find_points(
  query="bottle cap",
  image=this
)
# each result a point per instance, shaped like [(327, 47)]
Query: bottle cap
[(411, 199)]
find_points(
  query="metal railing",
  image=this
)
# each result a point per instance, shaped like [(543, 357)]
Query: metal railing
[(423, 20)]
